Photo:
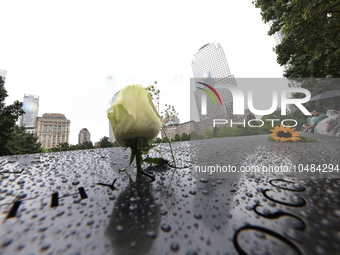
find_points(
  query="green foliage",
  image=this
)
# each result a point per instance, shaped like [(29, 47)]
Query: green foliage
[(311, 43), (250, 116), (185, 137), (316, 87), (8, 116), (208, 134), (21, 142), (268, 123), (215, 131), (303, 139), (105, 143), (61, 147), (227, 131), (195, 136), (66, 147), (157, 161), (85, 145), (244, 131), (177, 137)]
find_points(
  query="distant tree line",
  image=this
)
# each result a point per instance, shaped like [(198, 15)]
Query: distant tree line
[(103, 143)]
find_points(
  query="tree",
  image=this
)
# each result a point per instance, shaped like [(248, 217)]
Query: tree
[(61, 147), (105, 143), (268, 124), (311, 44), (21, 142), (64, 146), (208, 134), (177, 137), (215, 131), (8, 116), (85, 145), (185, 137), (316, 87), (195, 136)]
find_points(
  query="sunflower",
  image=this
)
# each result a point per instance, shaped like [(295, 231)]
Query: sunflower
[(283, 134)]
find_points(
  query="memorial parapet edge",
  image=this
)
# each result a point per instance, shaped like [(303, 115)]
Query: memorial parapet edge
[(52, 204)]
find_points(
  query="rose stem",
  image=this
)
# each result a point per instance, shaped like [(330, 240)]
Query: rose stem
[(138, 160)]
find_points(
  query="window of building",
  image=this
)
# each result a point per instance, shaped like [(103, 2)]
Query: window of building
[(45, 128), (50, 128), (59, 128)]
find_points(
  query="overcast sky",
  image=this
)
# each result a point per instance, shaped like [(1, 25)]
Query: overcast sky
[(75, 55)]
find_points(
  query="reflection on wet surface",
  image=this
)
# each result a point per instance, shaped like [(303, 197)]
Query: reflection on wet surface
[(79, 203), (135, 220)]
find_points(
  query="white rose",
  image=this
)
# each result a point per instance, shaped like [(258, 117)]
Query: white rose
[(133, 115)]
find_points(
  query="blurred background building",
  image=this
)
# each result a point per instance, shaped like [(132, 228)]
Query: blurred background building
[(84, 136), (3, 74), (52, 129), (210, 66), (31, 108)]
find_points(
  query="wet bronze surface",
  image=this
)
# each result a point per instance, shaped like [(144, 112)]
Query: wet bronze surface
[(56, 203)]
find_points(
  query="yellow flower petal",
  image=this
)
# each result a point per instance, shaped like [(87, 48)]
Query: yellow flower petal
[(283, 134)]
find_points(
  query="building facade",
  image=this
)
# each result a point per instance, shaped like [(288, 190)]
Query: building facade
[(187, 127), (52, 129), (169, 132), (84, 136), (210, 66), (30, 105)]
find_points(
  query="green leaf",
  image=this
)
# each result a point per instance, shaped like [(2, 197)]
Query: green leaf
[(308, 139), (303, 139), (157, 161)]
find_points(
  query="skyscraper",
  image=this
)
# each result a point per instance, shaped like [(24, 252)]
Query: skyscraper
[(84, 136), (3, 74), (31, 108), (210, 66), (52, 129)]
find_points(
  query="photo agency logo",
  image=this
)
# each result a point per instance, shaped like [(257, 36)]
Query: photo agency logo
[(204, 97), (237, 96)]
